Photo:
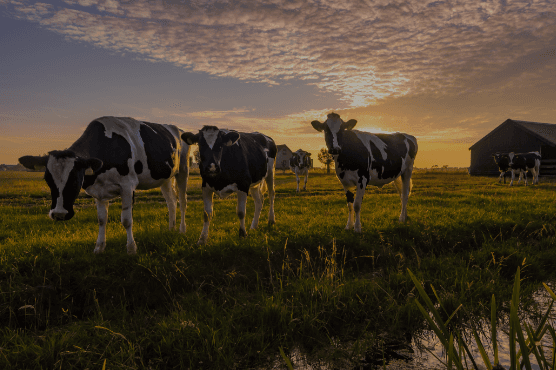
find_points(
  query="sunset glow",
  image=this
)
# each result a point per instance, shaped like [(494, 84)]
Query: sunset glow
[(446, 72)]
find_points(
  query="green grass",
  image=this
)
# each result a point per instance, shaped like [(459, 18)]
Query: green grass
[(305, 283)]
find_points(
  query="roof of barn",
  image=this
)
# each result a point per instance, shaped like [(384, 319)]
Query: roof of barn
[(545, 132)]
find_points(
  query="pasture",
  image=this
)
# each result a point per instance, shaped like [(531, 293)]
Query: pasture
[(305, 283)]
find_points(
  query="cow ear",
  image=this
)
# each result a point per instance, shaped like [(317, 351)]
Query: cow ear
[(230, 138), (190, 138), (34, 162), (349, 124), (317, 125), (307, 154)]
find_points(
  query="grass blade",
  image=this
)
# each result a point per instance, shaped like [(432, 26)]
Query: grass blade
[(286, 359), (482, 350), (493, 330)]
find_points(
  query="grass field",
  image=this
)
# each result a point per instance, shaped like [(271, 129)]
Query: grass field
[(305, 283)]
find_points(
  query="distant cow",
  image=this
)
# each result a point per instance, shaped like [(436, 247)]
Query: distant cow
[(523, 162), (503, 162), (234, 162), (300, 162), (114, 157), (362, 159)]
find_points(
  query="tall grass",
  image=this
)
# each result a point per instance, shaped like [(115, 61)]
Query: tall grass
[(304, 284)]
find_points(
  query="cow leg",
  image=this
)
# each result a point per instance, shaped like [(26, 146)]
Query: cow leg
[(406, 184), (169, 194), (358, 201), (500, 178), (127, 220), (102, 215), (271, 191), (306, 177), (297, 180), (181, 180), (512, 180), (350, 199), (207, 215), (241, 210), (257, 195)]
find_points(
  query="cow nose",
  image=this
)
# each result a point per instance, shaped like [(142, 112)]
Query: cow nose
[(58, 215)]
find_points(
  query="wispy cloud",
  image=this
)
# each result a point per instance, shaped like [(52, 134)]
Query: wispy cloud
[(362, 49)]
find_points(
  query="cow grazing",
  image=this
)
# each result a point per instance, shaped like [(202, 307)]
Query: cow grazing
[(503, 162), (114, 157), (362, 159), (300, 162), (234, 162), (523, 162)]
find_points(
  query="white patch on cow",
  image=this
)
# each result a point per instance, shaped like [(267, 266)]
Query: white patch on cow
[(511, 158), (210, 136), (366, 139), (334, 125), (60, 170), (225, 192)]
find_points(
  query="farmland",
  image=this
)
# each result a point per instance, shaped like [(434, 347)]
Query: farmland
[(304, 283)]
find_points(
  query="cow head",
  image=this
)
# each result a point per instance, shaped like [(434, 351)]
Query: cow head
[(334, 128), (301, 158), (64, 175), (211, 142), (499, 157)]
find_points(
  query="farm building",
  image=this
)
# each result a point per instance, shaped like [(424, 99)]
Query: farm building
[(518, 137), (283, 156)]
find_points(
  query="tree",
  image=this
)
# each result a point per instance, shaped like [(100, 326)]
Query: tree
[(326, 158), (197, 156)]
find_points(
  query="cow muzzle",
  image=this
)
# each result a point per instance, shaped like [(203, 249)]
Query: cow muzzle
[(59, 215), (212, 170)]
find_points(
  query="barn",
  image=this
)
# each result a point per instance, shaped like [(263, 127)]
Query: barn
[(519, 137), (283, 156)]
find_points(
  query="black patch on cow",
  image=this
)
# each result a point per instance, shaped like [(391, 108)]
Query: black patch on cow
[(412, 149), (350, 197), (138, 167), (243, 163), (160, 146), (114, 152), (503, 162), (241, 215), (396, 150), (341, 175), (53, 188)]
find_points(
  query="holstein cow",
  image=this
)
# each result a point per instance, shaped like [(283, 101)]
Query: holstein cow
[(362, 159), (300, 162), (114, 157), (503, 162), (523, 162), (234, 162)]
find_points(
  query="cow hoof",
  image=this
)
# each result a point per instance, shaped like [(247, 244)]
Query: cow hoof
[(242, 233), (132, 249), (271, 222)]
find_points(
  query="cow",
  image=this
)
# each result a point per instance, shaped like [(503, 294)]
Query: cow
[(114, 157), (523, 162), (503, 162), (362, 159), (300, 162), (234, 162)]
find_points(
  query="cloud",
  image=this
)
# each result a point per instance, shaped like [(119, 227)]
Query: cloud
[(362, 49)]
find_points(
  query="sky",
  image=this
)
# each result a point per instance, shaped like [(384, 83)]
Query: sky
[(447, 72)]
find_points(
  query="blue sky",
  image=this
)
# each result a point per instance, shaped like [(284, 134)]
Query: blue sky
[(447, 72)]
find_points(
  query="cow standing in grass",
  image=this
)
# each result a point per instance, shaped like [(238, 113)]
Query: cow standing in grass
[(234, 162), (362, 159), (114, 157), (523, 162), (300, 162), (503, 162)]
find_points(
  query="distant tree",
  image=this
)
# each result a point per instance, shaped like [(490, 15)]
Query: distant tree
[(434, 167), (326, 158), (445, 167), (197, 156)]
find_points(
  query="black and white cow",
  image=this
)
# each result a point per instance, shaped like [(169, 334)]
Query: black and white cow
[(362, 159), (523, 162), (234, 162), (300, 162), (503, 162), (114, 157)]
